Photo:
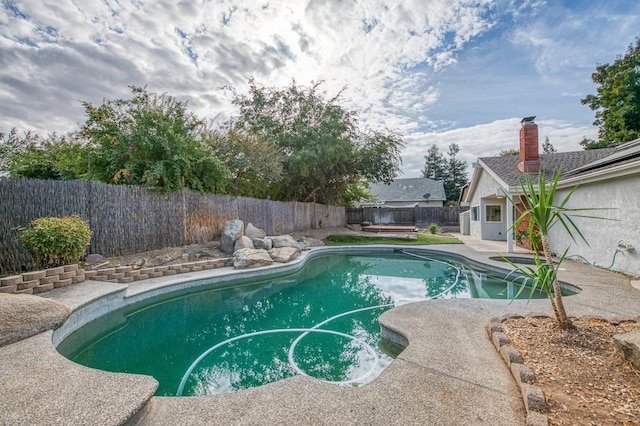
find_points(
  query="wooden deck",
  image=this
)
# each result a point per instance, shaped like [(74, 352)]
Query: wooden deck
[(389, 228)]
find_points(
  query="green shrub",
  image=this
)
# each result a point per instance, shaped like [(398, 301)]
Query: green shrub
[(56, 241), (434, 228)]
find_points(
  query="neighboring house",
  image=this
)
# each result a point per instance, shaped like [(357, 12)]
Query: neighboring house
[(462, 199), (606, 178), (421, 192)]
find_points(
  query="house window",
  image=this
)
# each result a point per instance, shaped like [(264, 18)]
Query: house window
[(494, 213), (474, 213)]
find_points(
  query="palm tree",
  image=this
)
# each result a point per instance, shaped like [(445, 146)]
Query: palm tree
[(542, 214)]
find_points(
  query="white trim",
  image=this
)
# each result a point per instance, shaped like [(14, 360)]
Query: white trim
[(486, 216), (598, 175)]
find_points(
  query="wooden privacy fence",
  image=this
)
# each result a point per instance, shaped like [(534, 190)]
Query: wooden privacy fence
[(129, 219), (418, 216)]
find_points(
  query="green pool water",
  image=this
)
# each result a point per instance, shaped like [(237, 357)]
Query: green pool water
[(222, 340)]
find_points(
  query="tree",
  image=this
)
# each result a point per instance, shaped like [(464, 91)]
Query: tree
[(324, 152), (254, 162), (456, 174), (547, 148), (450, 171), (435, 164), (617, 102), (543, 214), (52, 157), (151, 140), (591, 144), (508, 152)]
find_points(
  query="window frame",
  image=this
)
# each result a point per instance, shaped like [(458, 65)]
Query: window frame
[(487, 216), (475, 213)]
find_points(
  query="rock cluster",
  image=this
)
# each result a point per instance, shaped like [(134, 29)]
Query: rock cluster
[(251, 247)]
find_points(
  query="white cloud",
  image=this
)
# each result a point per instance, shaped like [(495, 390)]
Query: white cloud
[(428, 69), (489, 139), (185, 51)]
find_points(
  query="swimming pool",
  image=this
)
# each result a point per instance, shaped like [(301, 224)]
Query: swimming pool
[(321, 321)]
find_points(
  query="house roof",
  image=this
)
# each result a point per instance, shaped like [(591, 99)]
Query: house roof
[(575, 167), (506, 167), (411, 189), (623, 154)]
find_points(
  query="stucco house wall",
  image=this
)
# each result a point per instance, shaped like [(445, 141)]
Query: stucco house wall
[(621, 198), (482, 228)]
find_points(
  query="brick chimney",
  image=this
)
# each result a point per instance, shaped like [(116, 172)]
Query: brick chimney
[(529, 157)]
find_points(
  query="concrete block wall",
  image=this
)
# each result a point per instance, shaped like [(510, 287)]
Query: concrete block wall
[(127, 274), (40, 281)]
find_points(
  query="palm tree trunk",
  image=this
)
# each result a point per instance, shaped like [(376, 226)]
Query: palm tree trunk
[(561, 315)]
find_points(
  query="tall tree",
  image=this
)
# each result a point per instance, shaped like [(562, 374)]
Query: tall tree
[(151, 140), (456, 173), (435, 164), (617, 102), (547, 148), (325, 153)]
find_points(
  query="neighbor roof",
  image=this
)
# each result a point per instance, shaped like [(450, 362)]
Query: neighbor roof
[(410, 189)]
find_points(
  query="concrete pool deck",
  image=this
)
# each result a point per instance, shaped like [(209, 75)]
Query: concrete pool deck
[(450, 373)]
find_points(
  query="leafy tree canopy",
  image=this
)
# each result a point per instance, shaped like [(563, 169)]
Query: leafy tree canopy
[(52, 157), (617, 102), (325, 154), (591, 144), (254, 162), (508, 152), (151, 140)]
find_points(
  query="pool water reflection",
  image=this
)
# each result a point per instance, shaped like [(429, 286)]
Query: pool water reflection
[(222, 340)]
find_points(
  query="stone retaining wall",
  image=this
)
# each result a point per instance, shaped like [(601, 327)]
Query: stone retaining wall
[(533, 397), (127, 274), (41, 281)]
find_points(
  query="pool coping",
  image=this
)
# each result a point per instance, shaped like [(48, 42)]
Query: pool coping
[(406, 322)]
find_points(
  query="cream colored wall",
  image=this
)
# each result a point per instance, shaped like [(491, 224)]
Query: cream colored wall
[(485, 194), (621, 198)]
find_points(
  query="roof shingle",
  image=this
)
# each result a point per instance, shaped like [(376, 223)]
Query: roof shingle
[(506, 167)]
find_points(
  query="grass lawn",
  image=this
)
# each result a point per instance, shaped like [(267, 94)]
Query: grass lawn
[(421, 239)]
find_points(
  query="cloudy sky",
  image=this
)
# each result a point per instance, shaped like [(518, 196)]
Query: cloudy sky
[(439, 71)]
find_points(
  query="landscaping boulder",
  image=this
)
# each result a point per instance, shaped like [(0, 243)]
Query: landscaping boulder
[(307, 242), (285, 241), (251, 258), (232, 231), (94, 259), (628, 344), (25, 316), (284, 254), (253, 232), (243, 242), (263, 243)]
